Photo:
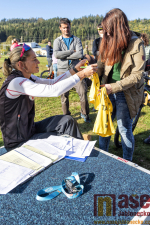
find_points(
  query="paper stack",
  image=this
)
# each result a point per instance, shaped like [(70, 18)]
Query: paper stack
[(34, 156), (63, 146), (75, 149)]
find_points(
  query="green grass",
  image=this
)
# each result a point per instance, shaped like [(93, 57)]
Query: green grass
[(46, 107)]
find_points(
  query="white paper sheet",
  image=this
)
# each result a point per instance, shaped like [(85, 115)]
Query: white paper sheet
[(40, 159), (73, 147), (77, 148), (89, 148), (21, 160), (12, 175), (46, 146), (38, 151), (57, 141)]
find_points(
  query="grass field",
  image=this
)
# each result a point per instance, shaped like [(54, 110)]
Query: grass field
[(46, 107)]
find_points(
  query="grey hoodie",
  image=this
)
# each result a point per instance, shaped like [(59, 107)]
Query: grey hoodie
[(63, 55)]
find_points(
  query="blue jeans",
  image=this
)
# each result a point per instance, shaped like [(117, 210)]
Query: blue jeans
[(124, 122), (55, 69)]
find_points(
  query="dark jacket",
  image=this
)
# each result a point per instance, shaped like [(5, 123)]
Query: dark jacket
[(49, 50), (147, 65), (96, 44), (16, 115)]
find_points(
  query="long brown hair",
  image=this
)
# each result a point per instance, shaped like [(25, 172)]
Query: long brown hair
[(116, 36)]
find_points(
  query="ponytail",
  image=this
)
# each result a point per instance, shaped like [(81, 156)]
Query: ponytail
[(7, 68)]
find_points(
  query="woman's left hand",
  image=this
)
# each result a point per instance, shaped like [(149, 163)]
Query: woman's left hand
[(108, 88)]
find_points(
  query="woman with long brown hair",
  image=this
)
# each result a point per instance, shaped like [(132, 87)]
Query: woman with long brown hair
[(121, 63)]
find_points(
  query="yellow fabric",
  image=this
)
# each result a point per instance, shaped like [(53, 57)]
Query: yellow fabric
[(93, 95), (103, 124), (86, 63)]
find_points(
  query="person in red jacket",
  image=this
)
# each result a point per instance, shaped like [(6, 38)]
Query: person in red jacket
[(14, 44)]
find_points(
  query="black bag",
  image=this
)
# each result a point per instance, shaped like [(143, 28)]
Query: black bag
[(147, 68)]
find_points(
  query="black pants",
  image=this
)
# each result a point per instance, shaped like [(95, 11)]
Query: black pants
[(57, 125), (54, 125)]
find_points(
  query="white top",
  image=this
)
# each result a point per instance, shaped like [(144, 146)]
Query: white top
[(41, 87)]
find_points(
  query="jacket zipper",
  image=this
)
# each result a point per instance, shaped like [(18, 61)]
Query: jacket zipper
[(18, 127)]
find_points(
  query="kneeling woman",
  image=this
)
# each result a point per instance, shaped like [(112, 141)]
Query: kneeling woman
[(17, 98)]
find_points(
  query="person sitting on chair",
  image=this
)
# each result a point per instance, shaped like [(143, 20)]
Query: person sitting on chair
[(17, 98)]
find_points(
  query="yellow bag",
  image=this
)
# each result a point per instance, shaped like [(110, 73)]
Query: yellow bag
[(93, 95), (103, 124)]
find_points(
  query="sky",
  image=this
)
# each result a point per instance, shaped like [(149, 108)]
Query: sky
[(70, 9)]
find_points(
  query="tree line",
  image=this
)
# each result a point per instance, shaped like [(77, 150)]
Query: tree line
[(38, 29)]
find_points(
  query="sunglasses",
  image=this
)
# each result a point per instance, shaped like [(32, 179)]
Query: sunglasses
[(24, 49), (99, 28)]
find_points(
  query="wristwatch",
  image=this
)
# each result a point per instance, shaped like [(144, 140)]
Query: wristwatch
[(75, 70)]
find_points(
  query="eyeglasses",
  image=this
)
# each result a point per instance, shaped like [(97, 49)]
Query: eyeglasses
[(24, 49), (99, 28)]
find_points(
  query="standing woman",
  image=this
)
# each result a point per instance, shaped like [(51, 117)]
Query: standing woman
[(121, 63), (17, 98)]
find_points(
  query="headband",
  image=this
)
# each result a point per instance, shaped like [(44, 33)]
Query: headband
[(24, 49)]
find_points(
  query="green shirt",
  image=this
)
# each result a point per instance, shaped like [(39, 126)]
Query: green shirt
[(115, 73)]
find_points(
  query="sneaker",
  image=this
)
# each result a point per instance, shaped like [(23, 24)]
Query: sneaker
[(94, 110), (86, 118), (147, 140)]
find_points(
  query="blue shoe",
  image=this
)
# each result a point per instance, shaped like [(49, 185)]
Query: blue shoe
[(94, 110), (86, 118), (147, 140)]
